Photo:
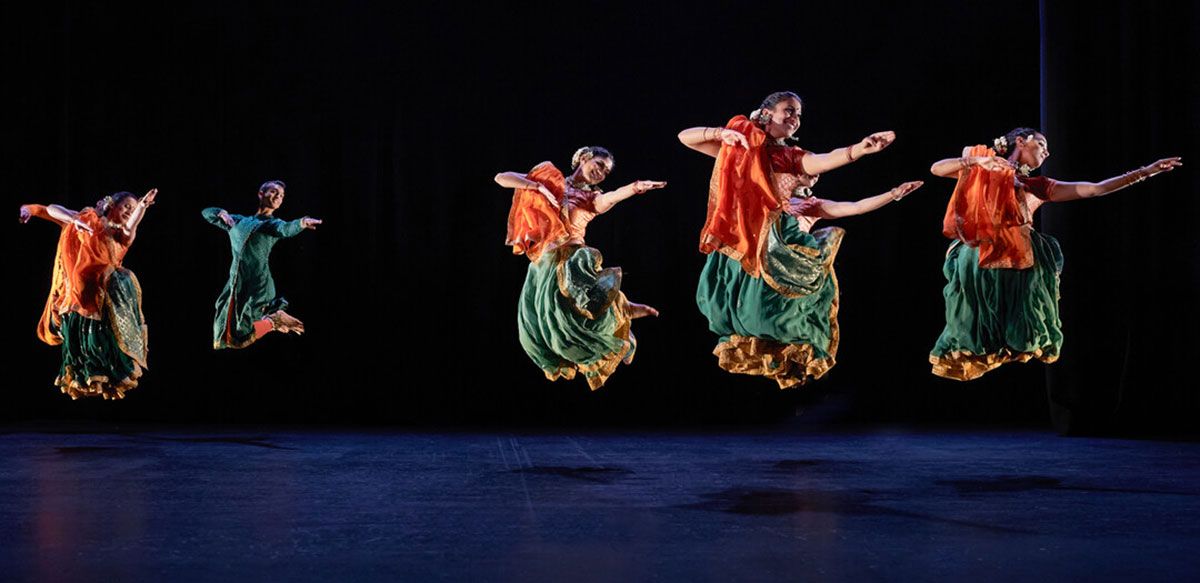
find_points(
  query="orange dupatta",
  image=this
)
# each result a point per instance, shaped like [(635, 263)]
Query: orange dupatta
[(532, 221), (986, 211), (82, 263), (741, 203)]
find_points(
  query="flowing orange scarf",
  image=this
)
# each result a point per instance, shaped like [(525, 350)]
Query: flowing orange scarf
[(741, 202), (533, 222), (986, 212), (82, 264)]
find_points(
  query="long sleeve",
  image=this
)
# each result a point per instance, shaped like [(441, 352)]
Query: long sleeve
[(212, 215), (282, 229)]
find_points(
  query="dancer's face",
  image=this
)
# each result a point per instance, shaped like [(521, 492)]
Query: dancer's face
[(121, 211), (1033, 151), (595, 170), (809, 180), (271, 198), (784, 119)]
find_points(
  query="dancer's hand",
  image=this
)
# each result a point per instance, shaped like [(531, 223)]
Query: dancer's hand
[(309, 222), (905, 189), (733, 138), (82, 226), (876, 142), (549, 195), (641, 311), (643, 186), (148, 199), (26, 214), (1164, 165), (802, 206), (992, 163), (225, 218)]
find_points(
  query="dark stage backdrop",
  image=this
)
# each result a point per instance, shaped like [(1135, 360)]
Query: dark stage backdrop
[(389, 123)]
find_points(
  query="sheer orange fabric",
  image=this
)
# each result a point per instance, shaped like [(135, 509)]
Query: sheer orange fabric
[(741, 202), (82, 263), (533, 222), (987, 211)]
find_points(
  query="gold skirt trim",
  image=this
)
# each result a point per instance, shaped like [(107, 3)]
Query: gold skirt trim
[(597, 373), (98, 385), (965, 366), (790, 365)]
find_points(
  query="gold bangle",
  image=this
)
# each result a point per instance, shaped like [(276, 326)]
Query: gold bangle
[(850, 153), (1135, 176)]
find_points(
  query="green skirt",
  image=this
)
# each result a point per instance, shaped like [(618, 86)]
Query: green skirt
[(104, 357), (997, 316), (782, 325), (573, 317)]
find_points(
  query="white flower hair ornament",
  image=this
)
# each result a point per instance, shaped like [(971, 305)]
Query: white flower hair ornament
[(104, 204), (581, 155), (1001, 144)]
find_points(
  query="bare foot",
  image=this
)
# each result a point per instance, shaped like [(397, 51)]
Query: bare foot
[(641, 311), (285, 322)]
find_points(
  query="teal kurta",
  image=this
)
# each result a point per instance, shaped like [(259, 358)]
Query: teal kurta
[(249, 294)]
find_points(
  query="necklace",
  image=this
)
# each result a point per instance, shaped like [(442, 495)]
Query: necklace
[(578, 184)]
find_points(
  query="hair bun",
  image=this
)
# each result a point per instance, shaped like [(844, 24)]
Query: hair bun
[(581, 155), (1001, 145)]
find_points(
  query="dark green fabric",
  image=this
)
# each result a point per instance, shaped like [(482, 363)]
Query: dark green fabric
[(553, 329), (736, 303), (991, 309), (250, 289), (90, 347), (124, 312)]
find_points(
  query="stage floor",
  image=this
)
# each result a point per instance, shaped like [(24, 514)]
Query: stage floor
[(779, 503)]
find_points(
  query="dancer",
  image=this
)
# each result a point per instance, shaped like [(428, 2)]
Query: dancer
[(572, 315), (1002, 276), (248, 308), (94, 309), (770, 291)]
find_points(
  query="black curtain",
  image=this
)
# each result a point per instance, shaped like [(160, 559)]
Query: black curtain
[(1120, 90)]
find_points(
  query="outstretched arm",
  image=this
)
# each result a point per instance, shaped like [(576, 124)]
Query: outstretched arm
[(518, 180), (708, 140), (1065, 191), (56, 214), (53, 213), (283, 229), (815, 164), (139, 213), (828, 209), (950, 167), (127, 232), (606, 200), (218, 217)]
